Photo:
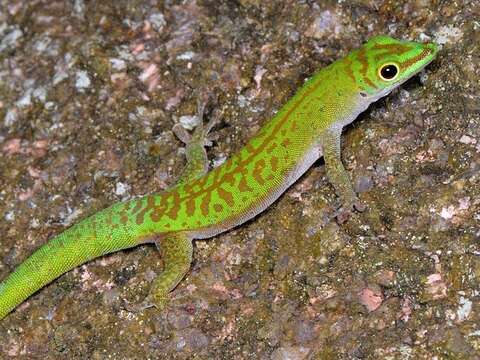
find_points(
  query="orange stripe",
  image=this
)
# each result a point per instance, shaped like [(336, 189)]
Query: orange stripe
[(407, 63)]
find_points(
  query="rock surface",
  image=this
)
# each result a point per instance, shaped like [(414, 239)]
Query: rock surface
[(89, 92)]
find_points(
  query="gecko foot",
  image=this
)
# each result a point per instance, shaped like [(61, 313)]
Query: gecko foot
[(136, 307), (201, 135), (159, 304), (345, 211)]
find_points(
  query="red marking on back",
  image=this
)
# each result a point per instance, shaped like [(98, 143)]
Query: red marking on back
[(150, 200), (229, 178), (294, 126), (271, 148), (138, 206), (257, 171), (176, 204), (249, 147), (286, 142), (157, 214), (243, 186), (226, 196), (274, 163), (190, 207), (205, 203)]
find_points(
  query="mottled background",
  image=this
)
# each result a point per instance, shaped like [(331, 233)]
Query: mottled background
[(89, 92)]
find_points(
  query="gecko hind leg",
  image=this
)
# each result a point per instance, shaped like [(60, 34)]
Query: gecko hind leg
[(177, 254)]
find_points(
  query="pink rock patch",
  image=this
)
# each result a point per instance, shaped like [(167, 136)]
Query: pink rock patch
[(371, 299)]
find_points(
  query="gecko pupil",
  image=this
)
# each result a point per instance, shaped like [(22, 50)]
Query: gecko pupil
[(388, 72)]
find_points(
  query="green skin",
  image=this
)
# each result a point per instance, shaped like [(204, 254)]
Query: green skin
[(203, 204)]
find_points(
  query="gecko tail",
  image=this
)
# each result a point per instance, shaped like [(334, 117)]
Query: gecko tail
[(75, 246)]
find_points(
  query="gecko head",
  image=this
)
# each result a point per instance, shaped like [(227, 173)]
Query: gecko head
[(383, 63)]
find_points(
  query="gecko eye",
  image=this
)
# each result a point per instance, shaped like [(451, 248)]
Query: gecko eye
[(388, 72)]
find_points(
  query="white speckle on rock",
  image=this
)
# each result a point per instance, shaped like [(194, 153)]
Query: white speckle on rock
[(447, 212), (290, 353), (10, 40), (181, 344), (158, 21), (79, 8), (324, 24), (188, 55), (25, 100), (464, 309), (424, 37), (242, 101), (10, 216), (464, 203), (40, 94), (138, 114), (61, 68), (121, 188), (465, 139), (82, 80), (71, 217), (3, 28), (50, 105), (141, 110), (10, 117), (35, 223), (59, 76), (41, 44), (259, 72), (150, 72), (124, 53), (118, 64), (448, 34), (189, 121), (134, 25), (220, 160)]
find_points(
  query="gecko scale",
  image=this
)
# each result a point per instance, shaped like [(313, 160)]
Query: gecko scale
[(203, 204)]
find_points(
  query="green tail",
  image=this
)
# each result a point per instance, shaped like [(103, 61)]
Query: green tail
[(85, 241)]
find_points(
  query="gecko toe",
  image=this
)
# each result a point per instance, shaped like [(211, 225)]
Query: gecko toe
[(359, 206), (138, 307), (346, 210), (343, 215)]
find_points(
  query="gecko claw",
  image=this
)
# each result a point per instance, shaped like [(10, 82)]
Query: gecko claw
[(344, 212), (359, 206), (201, 134), (138, 307), (182, 134)]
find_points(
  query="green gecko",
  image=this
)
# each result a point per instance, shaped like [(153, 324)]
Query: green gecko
[(203, 204)]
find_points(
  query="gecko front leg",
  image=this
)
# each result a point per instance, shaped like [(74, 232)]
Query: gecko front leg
[(195, 143), (338, 176)]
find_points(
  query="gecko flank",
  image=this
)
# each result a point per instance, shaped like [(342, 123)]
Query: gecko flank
[(203, 204)]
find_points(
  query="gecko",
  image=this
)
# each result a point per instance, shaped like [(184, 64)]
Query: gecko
[(203, 204)]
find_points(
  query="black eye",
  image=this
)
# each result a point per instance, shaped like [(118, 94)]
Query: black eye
[(389, 72)]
